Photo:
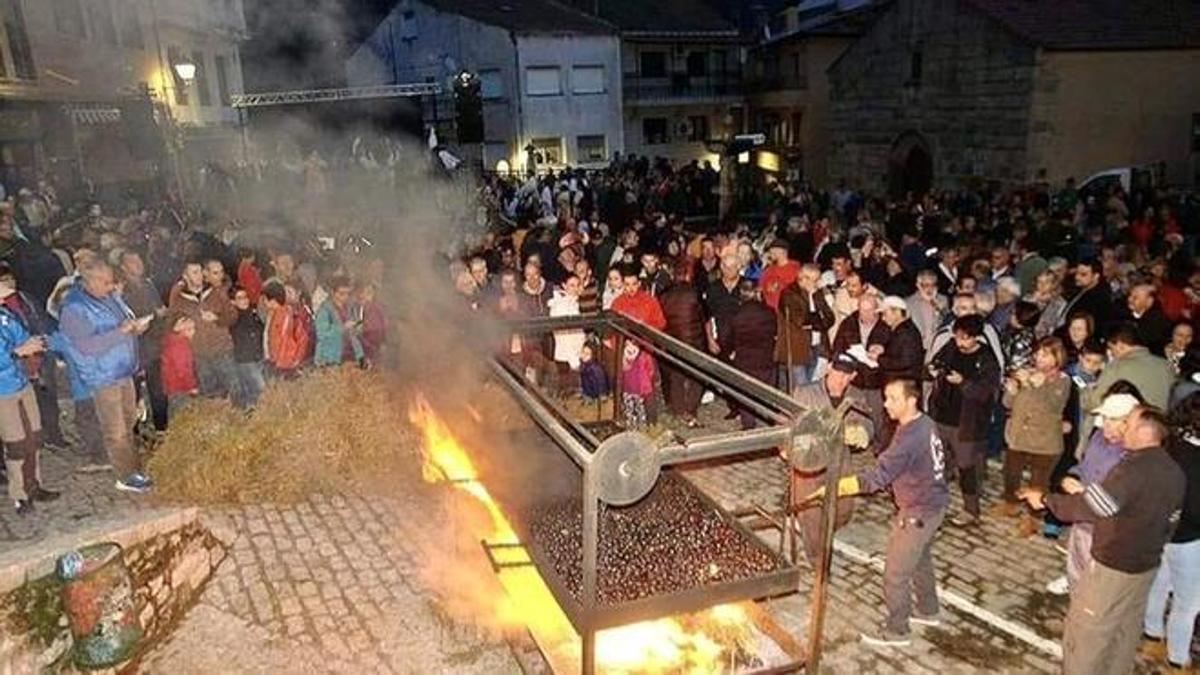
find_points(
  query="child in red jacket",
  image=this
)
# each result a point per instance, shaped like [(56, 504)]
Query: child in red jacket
[(178, 366)]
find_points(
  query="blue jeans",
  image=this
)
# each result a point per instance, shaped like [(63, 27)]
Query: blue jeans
[(1178, 576), (250, 383), (217, 376)]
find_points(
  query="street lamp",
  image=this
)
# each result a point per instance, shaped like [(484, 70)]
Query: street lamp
[(186, 70)]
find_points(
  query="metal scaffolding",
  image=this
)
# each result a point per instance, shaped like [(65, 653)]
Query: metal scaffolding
[(271, 98)]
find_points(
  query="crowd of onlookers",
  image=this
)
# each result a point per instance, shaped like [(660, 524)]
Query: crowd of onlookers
[(133, 317), (1036, 322)]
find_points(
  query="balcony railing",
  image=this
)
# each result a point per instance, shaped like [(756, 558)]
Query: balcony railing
[(681, 87)]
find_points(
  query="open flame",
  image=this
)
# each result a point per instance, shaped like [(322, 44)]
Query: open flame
[(695, 644)]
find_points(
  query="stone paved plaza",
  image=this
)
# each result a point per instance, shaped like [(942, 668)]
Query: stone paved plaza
[(336, 584)]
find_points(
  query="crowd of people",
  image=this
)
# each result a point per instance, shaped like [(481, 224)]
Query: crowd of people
[(136, 316), (1050, 329)]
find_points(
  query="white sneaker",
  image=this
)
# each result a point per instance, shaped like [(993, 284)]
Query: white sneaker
[(707, 397), (1059, 586)]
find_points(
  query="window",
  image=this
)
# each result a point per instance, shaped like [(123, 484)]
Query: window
[(181, 88), (592, 149), (587, 80), (131, 26), (16, 58), (1195, 132), (654, 130), (100, 16), (797, 127), (222, 64), (408, 25), (68, 18), (915, 66), (542, 81), (697, 128), (548, 151), (202, 88), (653, 64), (697, 64), (491, 87)]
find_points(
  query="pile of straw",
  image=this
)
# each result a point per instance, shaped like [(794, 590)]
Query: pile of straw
[(333, 430)]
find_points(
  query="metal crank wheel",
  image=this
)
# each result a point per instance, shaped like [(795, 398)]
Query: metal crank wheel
[(627, 468)]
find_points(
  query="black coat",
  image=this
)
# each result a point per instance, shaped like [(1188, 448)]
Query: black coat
[(903, 353), (1097, 302), (752, 340), (684, 313), (1153, 328), (848, 335)]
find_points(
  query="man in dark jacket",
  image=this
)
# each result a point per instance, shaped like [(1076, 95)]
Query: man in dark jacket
[(903, 355), (964, 376), (1093, 297), (860, 332), (1143, 311), (144, 299), (685, 322), (752, 340), (1134, 509)]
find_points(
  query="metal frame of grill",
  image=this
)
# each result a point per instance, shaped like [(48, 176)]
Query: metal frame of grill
[(578, 443)]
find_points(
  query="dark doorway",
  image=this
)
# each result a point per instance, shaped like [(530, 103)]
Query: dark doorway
[(910, 166)]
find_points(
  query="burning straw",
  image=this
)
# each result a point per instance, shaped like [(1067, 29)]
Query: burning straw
[(333, 430)]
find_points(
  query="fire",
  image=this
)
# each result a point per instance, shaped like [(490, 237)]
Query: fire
[(695, 644)]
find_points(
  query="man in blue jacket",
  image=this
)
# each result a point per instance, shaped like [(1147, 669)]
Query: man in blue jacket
[(20, 421), (101, 345)]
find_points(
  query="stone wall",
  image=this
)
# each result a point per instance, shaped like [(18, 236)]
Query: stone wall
[(170, 556), (970, 104)]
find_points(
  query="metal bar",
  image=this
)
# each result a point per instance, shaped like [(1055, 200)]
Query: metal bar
[(724, 445), (561, 435), (617, 384), (589, 652), (576, 427), (591, 546), (759, 408), (820, 589), (714, 367), (268, 98)]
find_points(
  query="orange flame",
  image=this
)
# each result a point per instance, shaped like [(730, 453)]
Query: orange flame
[(659, 646)]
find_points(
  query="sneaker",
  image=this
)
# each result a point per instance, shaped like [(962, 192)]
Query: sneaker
[(886, 638), (964, 519), (136, 482), (24, 507), (1153, 648), (930, 620), (707, 397), (1059, 586), (41, 494)]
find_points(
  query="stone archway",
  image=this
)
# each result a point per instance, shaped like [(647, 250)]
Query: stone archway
[(910, 165)]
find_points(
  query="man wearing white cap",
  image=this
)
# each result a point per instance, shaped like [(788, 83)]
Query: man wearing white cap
[(904, 354), (1104, 451)]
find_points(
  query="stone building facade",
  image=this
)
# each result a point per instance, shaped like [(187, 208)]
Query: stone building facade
[(950, 93)]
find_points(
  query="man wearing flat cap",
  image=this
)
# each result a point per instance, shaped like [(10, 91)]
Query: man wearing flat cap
[(829, 392)]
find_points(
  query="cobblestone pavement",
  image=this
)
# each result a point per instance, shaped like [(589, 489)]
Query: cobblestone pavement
[(87, 498), (333, 585), (330, 586)]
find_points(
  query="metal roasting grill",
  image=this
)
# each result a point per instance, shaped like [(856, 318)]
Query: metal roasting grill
[(617, 534)]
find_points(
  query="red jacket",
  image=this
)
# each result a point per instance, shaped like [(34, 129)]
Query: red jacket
[(288, 336), (249, 279), (178, 367), (775, 278), (641, 306)]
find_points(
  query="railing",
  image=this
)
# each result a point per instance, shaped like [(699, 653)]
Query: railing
[(682, 87)]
